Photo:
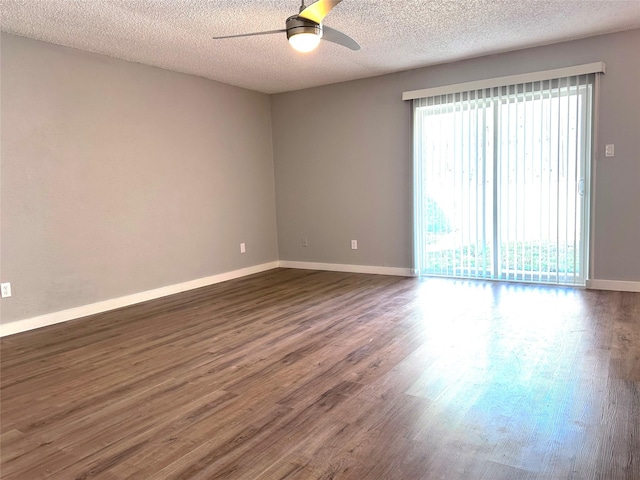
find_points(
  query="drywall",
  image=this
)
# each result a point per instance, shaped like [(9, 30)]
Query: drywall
[(343, 171), (119, 178), (342, 158)]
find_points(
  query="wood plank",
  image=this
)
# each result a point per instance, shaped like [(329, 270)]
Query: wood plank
[(297, 374)]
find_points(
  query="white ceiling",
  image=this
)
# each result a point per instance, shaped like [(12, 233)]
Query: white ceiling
[(394, 34)]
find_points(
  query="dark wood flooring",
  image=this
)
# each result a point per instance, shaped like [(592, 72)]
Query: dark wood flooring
[(292, 374)]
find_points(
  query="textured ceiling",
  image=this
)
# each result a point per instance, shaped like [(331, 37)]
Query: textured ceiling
[(394, 34)]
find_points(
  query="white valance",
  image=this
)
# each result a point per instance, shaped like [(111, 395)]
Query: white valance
[(596, 67)]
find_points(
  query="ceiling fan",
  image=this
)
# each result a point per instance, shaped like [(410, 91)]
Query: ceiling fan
[(305, 29)]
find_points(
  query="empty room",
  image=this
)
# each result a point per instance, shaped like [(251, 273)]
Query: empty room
[(341, 239)]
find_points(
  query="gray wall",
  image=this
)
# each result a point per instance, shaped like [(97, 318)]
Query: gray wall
[(342, 157), (119, 178)]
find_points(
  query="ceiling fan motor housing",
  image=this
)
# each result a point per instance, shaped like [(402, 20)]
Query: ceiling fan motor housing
[(296, 25)]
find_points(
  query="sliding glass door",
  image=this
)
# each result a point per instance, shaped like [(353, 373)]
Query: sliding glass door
[(500, 179)]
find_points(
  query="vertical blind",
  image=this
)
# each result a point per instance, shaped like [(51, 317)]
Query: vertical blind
[(501, 181)]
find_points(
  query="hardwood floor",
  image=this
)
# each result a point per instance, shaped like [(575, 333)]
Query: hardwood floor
[(292, 374)]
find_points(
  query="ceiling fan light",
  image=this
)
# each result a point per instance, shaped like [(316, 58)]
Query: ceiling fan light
[(304, 42), (304, 35)]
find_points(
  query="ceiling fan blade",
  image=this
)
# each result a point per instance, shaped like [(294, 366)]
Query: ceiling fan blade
[(268, 32), (318, 10), (338, 37)]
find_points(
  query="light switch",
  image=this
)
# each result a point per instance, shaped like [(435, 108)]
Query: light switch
[(609, 150)]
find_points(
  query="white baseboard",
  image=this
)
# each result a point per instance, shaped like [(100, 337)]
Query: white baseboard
[(106, 305), (617, 285), (339, 267)]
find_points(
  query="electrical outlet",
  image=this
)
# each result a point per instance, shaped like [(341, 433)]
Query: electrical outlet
[(6, 289), (243, 248), (354, 244), (305, 242)]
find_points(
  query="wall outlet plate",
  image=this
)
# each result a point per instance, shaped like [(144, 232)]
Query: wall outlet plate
[(5, 288), (354, 244), (243, 248)]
